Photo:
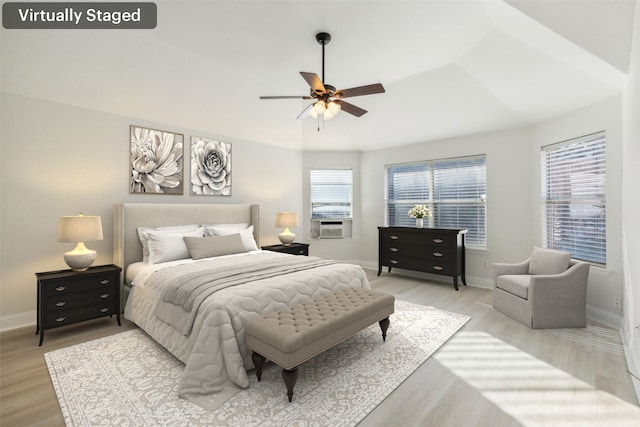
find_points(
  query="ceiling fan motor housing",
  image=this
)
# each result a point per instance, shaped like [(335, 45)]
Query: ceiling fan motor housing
[(323, 38)]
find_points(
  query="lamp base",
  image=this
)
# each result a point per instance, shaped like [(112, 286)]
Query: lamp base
[(286, 237), (80, 258)]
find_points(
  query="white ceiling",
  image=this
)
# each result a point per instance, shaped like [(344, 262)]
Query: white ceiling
[(450, 68)]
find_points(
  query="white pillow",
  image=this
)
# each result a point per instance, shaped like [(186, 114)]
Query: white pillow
[(165, 247), (247, 236), (209, 228), (169, 229)]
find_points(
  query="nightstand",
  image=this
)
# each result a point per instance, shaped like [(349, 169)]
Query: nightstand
[(294, 248), (69, 296)]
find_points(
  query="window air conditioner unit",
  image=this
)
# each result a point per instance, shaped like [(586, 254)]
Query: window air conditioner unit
[(331, 230)]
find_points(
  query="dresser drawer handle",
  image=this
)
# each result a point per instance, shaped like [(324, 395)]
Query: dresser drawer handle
[(104, 310), (103, 296), (394, 237), (394, 249), (437, 267), (61, 304), (437, 254), (393, 261), (61, 288), (438, 240), (60, 319), (104, 282)]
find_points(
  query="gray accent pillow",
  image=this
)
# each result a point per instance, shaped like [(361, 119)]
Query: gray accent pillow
[(205, 247), (549, 261)]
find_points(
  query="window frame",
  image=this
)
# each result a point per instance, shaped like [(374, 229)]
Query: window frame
[(336, 203), (432, 167), (586, 181)]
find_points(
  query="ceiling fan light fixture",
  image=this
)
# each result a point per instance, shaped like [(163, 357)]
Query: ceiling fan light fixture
[(320, 107), (333, 107)]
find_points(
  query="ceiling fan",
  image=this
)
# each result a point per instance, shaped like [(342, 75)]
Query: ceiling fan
[(329, 101)]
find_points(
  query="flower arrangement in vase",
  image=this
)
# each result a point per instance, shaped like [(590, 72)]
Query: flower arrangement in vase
[(419, 212)]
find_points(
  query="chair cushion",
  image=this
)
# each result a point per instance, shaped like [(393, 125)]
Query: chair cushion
[(549, 261), (515, 284)]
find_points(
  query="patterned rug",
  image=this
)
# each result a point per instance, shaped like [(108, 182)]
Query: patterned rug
[(128, 379)]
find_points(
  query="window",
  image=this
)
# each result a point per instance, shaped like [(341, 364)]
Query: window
[(331, 193), (573, 193), (454, 190)]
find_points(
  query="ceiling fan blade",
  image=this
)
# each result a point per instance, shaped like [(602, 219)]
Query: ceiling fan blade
[(305, 112), (285, 97), (360, 91), (350, 108), (314, 82)]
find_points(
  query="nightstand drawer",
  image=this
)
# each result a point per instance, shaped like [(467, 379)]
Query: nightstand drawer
[(64, 301), (72, 315), (78, 284)]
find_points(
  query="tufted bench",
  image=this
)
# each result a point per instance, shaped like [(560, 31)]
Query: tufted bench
[(294, 335)]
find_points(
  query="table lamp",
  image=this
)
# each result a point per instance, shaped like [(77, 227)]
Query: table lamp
[(285, 220), (79, 229)]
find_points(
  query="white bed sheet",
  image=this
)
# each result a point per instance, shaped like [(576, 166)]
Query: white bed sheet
[(215, 355)]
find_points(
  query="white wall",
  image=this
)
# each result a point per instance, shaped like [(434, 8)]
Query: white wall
[(631, 207), (508, 195), (604, 283), (60, 160)]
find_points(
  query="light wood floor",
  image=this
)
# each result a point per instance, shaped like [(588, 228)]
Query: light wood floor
[(434, 395)]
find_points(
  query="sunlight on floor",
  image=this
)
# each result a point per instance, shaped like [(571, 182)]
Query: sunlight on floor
[(530, 390)]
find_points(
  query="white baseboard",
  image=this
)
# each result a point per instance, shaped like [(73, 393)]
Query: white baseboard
[(604, 317), (18, 320), (632, 366)]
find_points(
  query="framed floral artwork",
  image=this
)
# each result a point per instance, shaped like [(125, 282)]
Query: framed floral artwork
[(210, 167), (156, 161)]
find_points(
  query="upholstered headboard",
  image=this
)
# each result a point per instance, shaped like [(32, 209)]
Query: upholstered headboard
[(127, 217)]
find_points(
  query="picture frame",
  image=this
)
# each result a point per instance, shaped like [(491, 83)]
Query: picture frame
[(210, 167), (156, 163)]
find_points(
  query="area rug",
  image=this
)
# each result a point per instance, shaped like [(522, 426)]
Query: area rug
[(128, 379)]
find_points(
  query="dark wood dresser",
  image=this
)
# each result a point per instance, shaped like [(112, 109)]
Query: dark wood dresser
[(69, 296), (429, 250)]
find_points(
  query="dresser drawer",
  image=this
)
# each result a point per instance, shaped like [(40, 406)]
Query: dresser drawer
[(81, 284), (75, 299), (421, 264), (72, 315)]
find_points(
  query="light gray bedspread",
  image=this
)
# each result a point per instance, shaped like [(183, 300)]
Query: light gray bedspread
[(184, 290)]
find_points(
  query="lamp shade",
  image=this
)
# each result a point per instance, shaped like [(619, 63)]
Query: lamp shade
[(79, 228), (286, 219)]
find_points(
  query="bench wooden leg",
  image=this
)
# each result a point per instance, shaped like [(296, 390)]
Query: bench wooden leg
[(384, 325), (290, 376), (258, 362)]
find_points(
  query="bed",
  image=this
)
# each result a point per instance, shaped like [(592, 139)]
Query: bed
[(210, 340)]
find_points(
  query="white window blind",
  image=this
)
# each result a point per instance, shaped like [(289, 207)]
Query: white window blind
[(454, 189), (573, 193), (331, 193)]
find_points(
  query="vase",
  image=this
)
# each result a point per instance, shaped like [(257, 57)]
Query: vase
[(418, 222)]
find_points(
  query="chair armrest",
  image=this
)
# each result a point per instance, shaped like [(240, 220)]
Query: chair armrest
[(564, 291), (500, 269)]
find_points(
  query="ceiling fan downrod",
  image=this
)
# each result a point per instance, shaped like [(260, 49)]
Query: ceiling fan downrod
[(323, 39)]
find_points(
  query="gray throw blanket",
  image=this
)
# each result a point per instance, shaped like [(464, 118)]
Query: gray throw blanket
[(183, 295)]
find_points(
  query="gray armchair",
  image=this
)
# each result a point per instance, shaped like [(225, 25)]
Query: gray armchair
[(548, 290)]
